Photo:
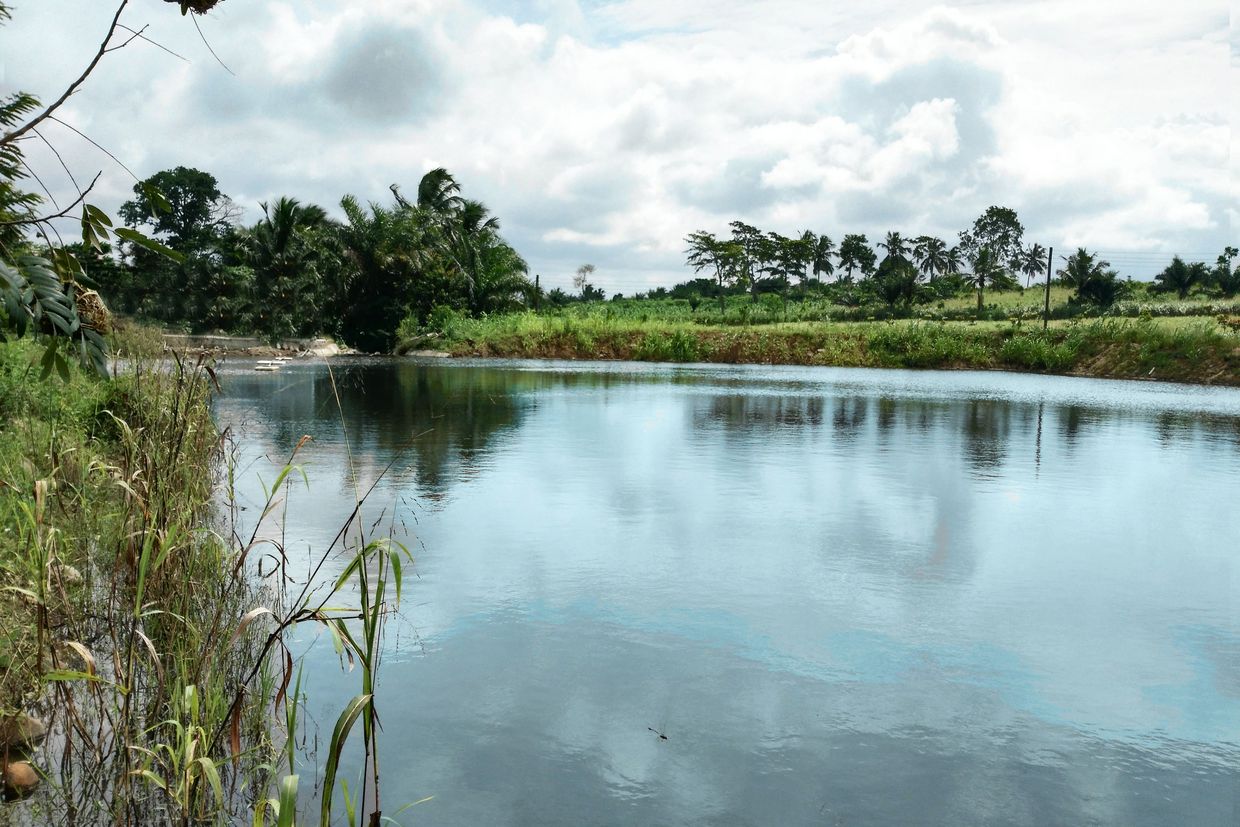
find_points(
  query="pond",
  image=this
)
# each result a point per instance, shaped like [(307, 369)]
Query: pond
[(843, 596)]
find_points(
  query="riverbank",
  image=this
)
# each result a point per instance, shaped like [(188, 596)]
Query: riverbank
[(224, 345), (106, 494), (1202, 351), (143, 618)]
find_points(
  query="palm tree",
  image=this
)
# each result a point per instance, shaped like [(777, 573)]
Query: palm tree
[(824, 248), (931, 255), (1032, 262), (953, 260), (986, 268), (1181, 277), (895, 245), (283, 262), (1093, 279), (438, 192), (388, 253), (501, 278), (467, 233), (1080, 267)]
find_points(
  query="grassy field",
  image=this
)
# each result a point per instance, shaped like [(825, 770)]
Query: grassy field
[(1185, 349), (1004, 306)]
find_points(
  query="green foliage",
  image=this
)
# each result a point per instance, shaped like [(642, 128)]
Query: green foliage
[(114, 484), (1179, 277), (297, 272), (855, 254), (926, 345), (1095, 283), (1039, 351), (183, 205), (998, 230), (896, 282)]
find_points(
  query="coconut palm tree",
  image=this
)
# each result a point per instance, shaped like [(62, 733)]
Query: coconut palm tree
[(931, 256), (1093, 279), (1032, 262), (1080, 267), (895, 245), (953, 260), (438, 192), (824, 249)]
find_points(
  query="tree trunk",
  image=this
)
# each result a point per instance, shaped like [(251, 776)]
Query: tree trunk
[(722, 310), (981, 287)]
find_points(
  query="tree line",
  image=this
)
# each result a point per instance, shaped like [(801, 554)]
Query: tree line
[(990, 254), (299, 272)]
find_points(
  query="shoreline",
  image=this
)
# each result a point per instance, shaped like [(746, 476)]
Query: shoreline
[(1129, 350)]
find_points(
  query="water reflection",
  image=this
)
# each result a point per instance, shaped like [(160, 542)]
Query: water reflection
[(843, 595)]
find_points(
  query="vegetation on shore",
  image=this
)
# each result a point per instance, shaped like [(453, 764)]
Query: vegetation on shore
[(1179, 349), (143, 623)]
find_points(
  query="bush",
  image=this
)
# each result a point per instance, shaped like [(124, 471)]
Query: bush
[(1038, 351), (680, 346), (926, 345)]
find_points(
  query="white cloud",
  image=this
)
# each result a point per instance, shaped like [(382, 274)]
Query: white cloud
[(607, 134)]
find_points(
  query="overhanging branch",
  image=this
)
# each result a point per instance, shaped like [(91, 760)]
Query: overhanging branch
[(73, 87)]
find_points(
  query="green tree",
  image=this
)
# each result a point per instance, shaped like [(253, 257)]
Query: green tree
[(281, 250), (186, 210), (855, 253), (1094, 280), (388, 252), (1179, 277), (987, 269), (1032, 262), (1227, 278), (931, 256), (824, 249), (706, 252), (501, 281), (895, 246), (752, 243), (192, 208), (896, 281), (999, 230)]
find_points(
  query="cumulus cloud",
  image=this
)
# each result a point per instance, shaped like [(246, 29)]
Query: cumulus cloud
[(605, 133)]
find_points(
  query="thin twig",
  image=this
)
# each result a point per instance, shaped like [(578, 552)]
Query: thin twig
[(73, 87), (154, 42), (81, 197), (209, 49), (42, 186), (65, 166), (136, 34), (96, 145)]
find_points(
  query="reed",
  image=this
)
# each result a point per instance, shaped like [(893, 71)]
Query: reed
[(148, 627)]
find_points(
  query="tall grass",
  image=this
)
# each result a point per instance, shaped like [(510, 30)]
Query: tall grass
[(146, 626), (1202, 350)]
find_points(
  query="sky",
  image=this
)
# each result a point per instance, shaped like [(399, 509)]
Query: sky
[(605, 132)]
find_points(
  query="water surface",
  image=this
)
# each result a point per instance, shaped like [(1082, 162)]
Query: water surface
[(845, 596)]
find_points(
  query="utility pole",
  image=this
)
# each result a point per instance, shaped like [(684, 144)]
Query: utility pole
[(537, 294), (1046, 315)]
